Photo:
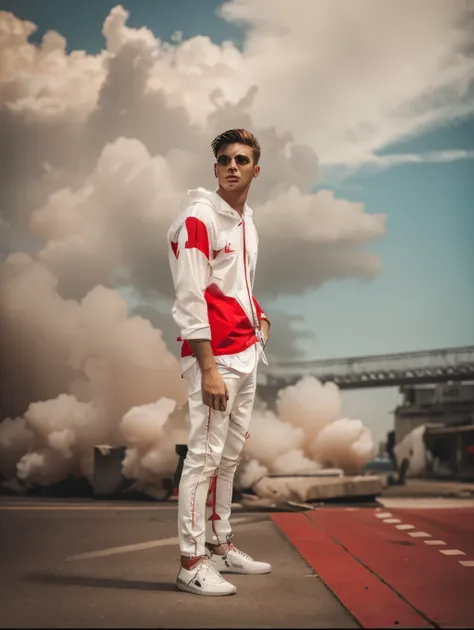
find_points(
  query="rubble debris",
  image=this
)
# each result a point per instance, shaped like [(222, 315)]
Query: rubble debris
[(324, 472), (252, 502), (302, 506), (13, 486), (300, 489), (139, 487)]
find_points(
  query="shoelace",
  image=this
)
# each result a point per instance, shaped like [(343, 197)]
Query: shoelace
[(241, 553), (206, 568)]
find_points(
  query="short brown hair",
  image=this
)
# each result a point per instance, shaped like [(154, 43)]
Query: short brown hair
[(240, 136)]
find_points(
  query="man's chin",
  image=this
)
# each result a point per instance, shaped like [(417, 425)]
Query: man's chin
[(232, 186)]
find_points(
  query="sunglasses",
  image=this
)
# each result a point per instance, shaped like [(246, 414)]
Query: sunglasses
[(225, 160)]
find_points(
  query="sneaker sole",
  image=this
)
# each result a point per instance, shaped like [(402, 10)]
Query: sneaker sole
[(243, 572), (194, 591)]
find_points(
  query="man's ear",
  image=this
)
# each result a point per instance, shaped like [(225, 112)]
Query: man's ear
[(256, 171), (215, 170)]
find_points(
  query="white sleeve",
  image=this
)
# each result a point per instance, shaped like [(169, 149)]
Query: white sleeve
[(191, 271)]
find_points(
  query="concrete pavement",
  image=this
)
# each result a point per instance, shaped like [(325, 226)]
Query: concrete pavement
[(402, 563), (85, 564)]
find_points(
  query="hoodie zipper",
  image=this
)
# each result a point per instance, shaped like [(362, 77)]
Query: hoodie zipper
[(257, 330)]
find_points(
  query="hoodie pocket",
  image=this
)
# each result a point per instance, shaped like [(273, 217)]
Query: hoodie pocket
[(225, 264)]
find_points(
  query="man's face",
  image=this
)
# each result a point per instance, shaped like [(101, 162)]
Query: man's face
[(235, 167)]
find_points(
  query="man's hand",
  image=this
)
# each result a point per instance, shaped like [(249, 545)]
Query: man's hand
[(265, 328), (214, 391)]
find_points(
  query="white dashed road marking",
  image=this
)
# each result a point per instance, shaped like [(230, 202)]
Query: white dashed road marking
[(419, 534), (386, 517)]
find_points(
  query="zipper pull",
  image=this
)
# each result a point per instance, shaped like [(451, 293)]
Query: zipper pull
[(261, 340)]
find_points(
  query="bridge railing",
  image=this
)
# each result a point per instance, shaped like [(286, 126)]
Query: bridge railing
[(425, 366)]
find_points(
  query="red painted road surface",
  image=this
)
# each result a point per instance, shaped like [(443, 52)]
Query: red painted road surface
[(384, 576)]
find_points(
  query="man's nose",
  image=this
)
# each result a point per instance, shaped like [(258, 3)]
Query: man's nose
[(233, 164)]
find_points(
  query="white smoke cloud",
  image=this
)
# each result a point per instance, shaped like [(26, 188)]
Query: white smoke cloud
[(309, 404), (105, 172), (87, 364), (249, 472), (97, 153), (64, 430), (344, 443), (357, 76), (305, 434), (151, 436), (16, 439)]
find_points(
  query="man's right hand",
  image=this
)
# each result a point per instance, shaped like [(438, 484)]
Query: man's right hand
[(214, 391)]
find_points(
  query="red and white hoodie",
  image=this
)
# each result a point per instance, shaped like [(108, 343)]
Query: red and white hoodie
[(213, 256)]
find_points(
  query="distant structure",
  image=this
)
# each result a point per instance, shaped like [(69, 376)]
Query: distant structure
[(450, 404), (437, 388), (447, 412), (405, 368)]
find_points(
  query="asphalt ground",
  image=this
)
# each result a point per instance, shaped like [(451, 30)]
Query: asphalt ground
[(403, 562), (84, 564)]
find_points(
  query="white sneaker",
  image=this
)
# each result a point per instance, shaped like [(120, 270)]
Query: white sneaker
[(203, 579), (236, 561)]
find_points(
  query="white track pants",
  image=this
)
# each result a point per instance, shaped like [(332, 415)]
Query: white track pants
[(215, 444)]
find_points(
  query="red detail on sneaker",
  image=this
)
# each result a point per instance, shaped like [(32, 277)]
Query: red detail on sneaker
[(190, 562), (228, 250)]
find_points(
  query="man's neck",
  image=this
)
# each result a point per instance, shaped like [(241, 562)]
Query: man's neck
[(235, 200)]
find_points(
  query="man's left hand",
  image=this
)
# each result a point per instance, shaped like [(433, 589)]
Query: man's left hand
[(265, 328)]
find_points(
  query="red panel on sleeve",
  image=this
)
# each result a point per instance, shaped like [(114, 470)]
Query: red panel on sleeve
[(174, 247), (197, 236)]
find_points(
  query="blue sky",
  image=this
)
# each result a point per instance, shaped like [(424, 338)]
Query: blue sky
[(423, 297), (81, 22)]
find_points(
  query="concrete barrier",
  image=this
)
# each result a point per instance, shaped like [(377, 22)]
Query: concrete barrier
[(318, 488), (107, 476)]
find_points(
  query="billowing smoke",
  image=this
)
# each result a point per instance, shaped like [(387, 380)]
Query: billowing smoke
[(93, 371), (97, 152), (305, 434)]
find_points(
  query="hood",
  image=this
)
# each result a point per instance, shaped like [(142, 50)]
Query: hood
[(213, 199)]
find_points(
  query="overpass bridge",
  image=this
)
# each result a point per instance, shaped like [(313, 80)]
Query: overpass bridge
[(405, 368)]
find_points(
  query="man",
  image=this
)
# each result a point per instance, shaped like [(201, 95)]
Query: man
[(213, 254)]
